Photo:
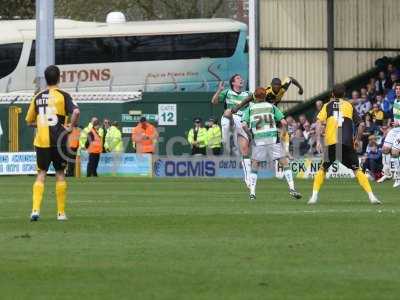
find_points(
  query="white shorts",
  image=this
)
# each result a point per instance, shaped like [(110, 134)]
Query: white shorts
[(268, 152), (392, 139), (237, 125)]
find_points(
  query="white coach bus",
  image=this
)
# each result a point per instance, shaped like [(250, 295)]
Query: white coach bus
[(173, 55)]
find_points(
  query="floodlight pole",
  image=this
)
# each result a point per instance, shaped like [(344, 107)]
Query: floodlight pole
[(253, 44), (44, 39)]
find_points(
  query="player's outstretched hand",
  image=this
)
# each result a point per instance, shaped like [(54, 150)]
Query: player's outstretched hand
[(301, 91), (221, 86)]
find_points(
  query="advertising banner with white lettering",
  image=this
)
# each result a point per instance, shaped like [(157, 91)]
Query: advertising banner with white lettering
[(308, 167), (19, 163), (123, 164), (228, 167)]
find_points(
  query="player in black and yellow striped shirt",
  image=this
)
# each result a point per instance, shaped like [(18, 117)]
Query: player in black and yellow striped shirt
[(340, 119), (277, 89), (47, 113)]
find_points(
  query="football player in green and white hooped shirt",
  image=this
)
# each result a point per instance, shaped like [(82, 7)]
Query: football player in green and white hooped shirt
[(261, 118), (391, 145), (231, 97)]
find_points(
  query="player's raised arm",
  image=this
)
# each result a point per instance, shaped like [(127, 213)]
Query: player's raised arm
[(260, 93), (216, 97), (75, 117), (296, 83), (31, 114), (242, 104)]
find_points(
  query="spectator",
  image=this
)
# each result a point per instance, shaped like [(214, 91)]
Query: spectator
[(73, 145), (385, 105), (393, 80), (371, 92), (113, 140), (94, 145), (363, 107), (306, 130), (363, 93), (104, 129), (302, 121), (292, 126), (370, 129), (144, 137), (197, 138), (84, 133), (381, 82), (300, 145), (113, 144), (356, 101), (377, 114), (373, 159), (392, 69), (214, 137), (318, 107)]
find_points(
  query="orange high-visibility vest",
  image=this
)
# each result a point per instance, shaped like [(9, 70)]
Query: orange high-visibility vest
[(144, 146), (73, 138), (95, 145)]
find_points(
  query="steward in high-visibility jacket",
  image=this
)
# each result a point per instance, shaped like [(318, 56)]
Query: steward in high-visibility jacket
[(73, 145), (144, 136), (214, 137), (84, 133), (113, 139), (197, 138), (94, 147)]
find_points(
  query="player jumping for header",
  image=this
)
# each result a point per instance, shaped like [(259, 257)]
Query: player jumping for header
[(261, 119)]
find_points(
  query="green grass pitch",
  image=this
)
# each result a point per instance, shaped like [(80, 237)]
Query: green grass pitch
[(130, 238)]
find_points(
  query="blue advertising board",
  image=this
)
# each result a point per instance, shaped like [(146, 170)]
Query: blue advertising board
[(124, 164), (224, 167)]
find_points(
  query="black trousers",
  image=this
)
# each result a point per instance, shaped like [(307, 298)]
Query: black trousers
[(197, 150), (217, 151), (71, 162), (92, 164)]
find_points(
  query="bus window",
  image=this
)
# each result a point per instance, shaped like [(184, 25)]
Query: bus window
[(190, 46), (9, 58), (142, 48)]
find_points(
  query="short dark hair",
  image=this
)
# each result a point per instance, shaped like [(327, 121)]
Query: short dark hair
[(339, 90), (232, 79), (52, 75), (276, 81)]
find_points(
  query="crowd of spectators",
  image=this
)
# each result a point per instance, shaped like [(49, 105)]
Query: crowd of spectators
[(373, 104)]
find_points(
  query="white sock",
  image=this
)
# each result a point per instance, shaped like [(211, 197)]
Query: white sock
[(314, 194), (386, 163), (246, 164), (289, 178), (253, 183), (397, 168)]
